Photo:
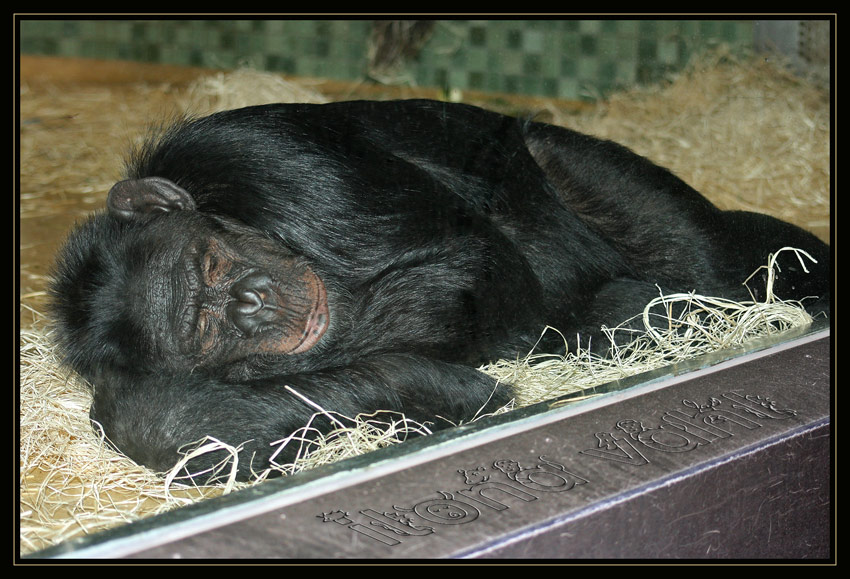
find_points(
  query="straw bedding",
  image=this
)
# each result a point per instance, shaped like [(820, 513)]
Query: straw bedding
[(745, 133)]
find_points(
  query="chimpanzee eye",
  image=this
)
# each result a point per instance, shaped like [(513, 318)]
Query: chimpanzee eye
[(202, 325), (207, 331), (214, 266)]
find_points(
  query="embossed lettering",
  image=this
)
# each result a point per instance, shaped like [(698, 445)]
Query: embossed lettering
[(545, 476), (694, 425), (380, 527), (482, 493), (391, 527), (373, 533), (667, 440), (760, 406), (683, 432), (709, 418), (445, 511), (396, 523), (615, 448)]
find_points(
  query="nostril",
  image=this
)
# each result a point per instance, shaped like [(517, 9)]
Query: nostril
[(249, 301), (244, 310), (254, 305)]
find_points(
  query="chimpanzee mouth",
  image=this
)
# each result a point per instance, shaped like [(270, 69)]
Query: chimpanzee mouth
[(318, 321)]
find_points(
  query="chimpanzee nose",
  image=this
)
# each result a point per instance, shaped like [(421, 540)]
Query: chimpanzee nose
[(253, 304), (248, 303)]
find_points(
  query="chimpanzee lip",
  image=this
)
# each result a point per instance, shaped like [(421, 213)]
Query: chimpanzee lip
[(318, 321)]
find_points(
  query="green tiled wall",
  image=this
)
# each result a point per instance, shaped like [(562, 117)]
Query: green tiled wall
[(562, 58)]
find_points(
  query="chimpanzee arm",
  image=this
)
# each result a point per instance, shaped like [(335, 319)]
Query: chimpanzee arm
[(150, 417)]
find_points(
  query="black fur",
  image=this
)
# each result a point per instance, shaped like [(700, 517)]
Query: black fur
[(445, 236)]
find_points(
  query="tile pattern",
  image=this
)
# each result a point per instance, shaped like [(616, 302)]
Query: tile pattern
[(573, 59)]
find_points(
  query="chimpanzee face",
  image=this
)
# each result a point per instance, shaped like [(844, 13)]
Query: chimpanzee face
[(205, 292), (179, 290)]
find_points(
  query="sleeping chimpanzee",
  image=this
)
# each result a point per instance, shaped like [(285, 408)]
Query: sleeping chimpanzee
[(369, 255)]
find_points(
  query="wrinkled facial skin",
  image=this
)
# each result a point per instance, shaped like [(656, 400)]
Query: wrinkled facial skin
[(219, 293)]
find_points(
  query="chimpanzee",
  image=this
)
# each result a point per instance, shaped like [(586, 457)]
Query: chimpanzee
[(369, 255)]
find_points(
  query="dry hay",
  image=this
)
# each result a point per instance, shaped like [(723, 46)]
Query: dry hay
[(73, 484), (748, 134), (242, 88)]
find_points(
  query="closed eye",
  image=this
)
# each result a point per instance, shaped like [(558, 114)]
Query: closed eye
[(214, 266), (207, 331)]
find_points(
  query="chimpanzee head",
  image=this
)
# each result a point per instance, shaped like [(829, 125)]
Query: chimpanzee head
[(154, 285)]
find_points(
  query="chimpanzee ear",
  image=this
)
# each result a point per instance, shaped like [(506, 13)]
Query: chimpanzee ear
[(134, 197)]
